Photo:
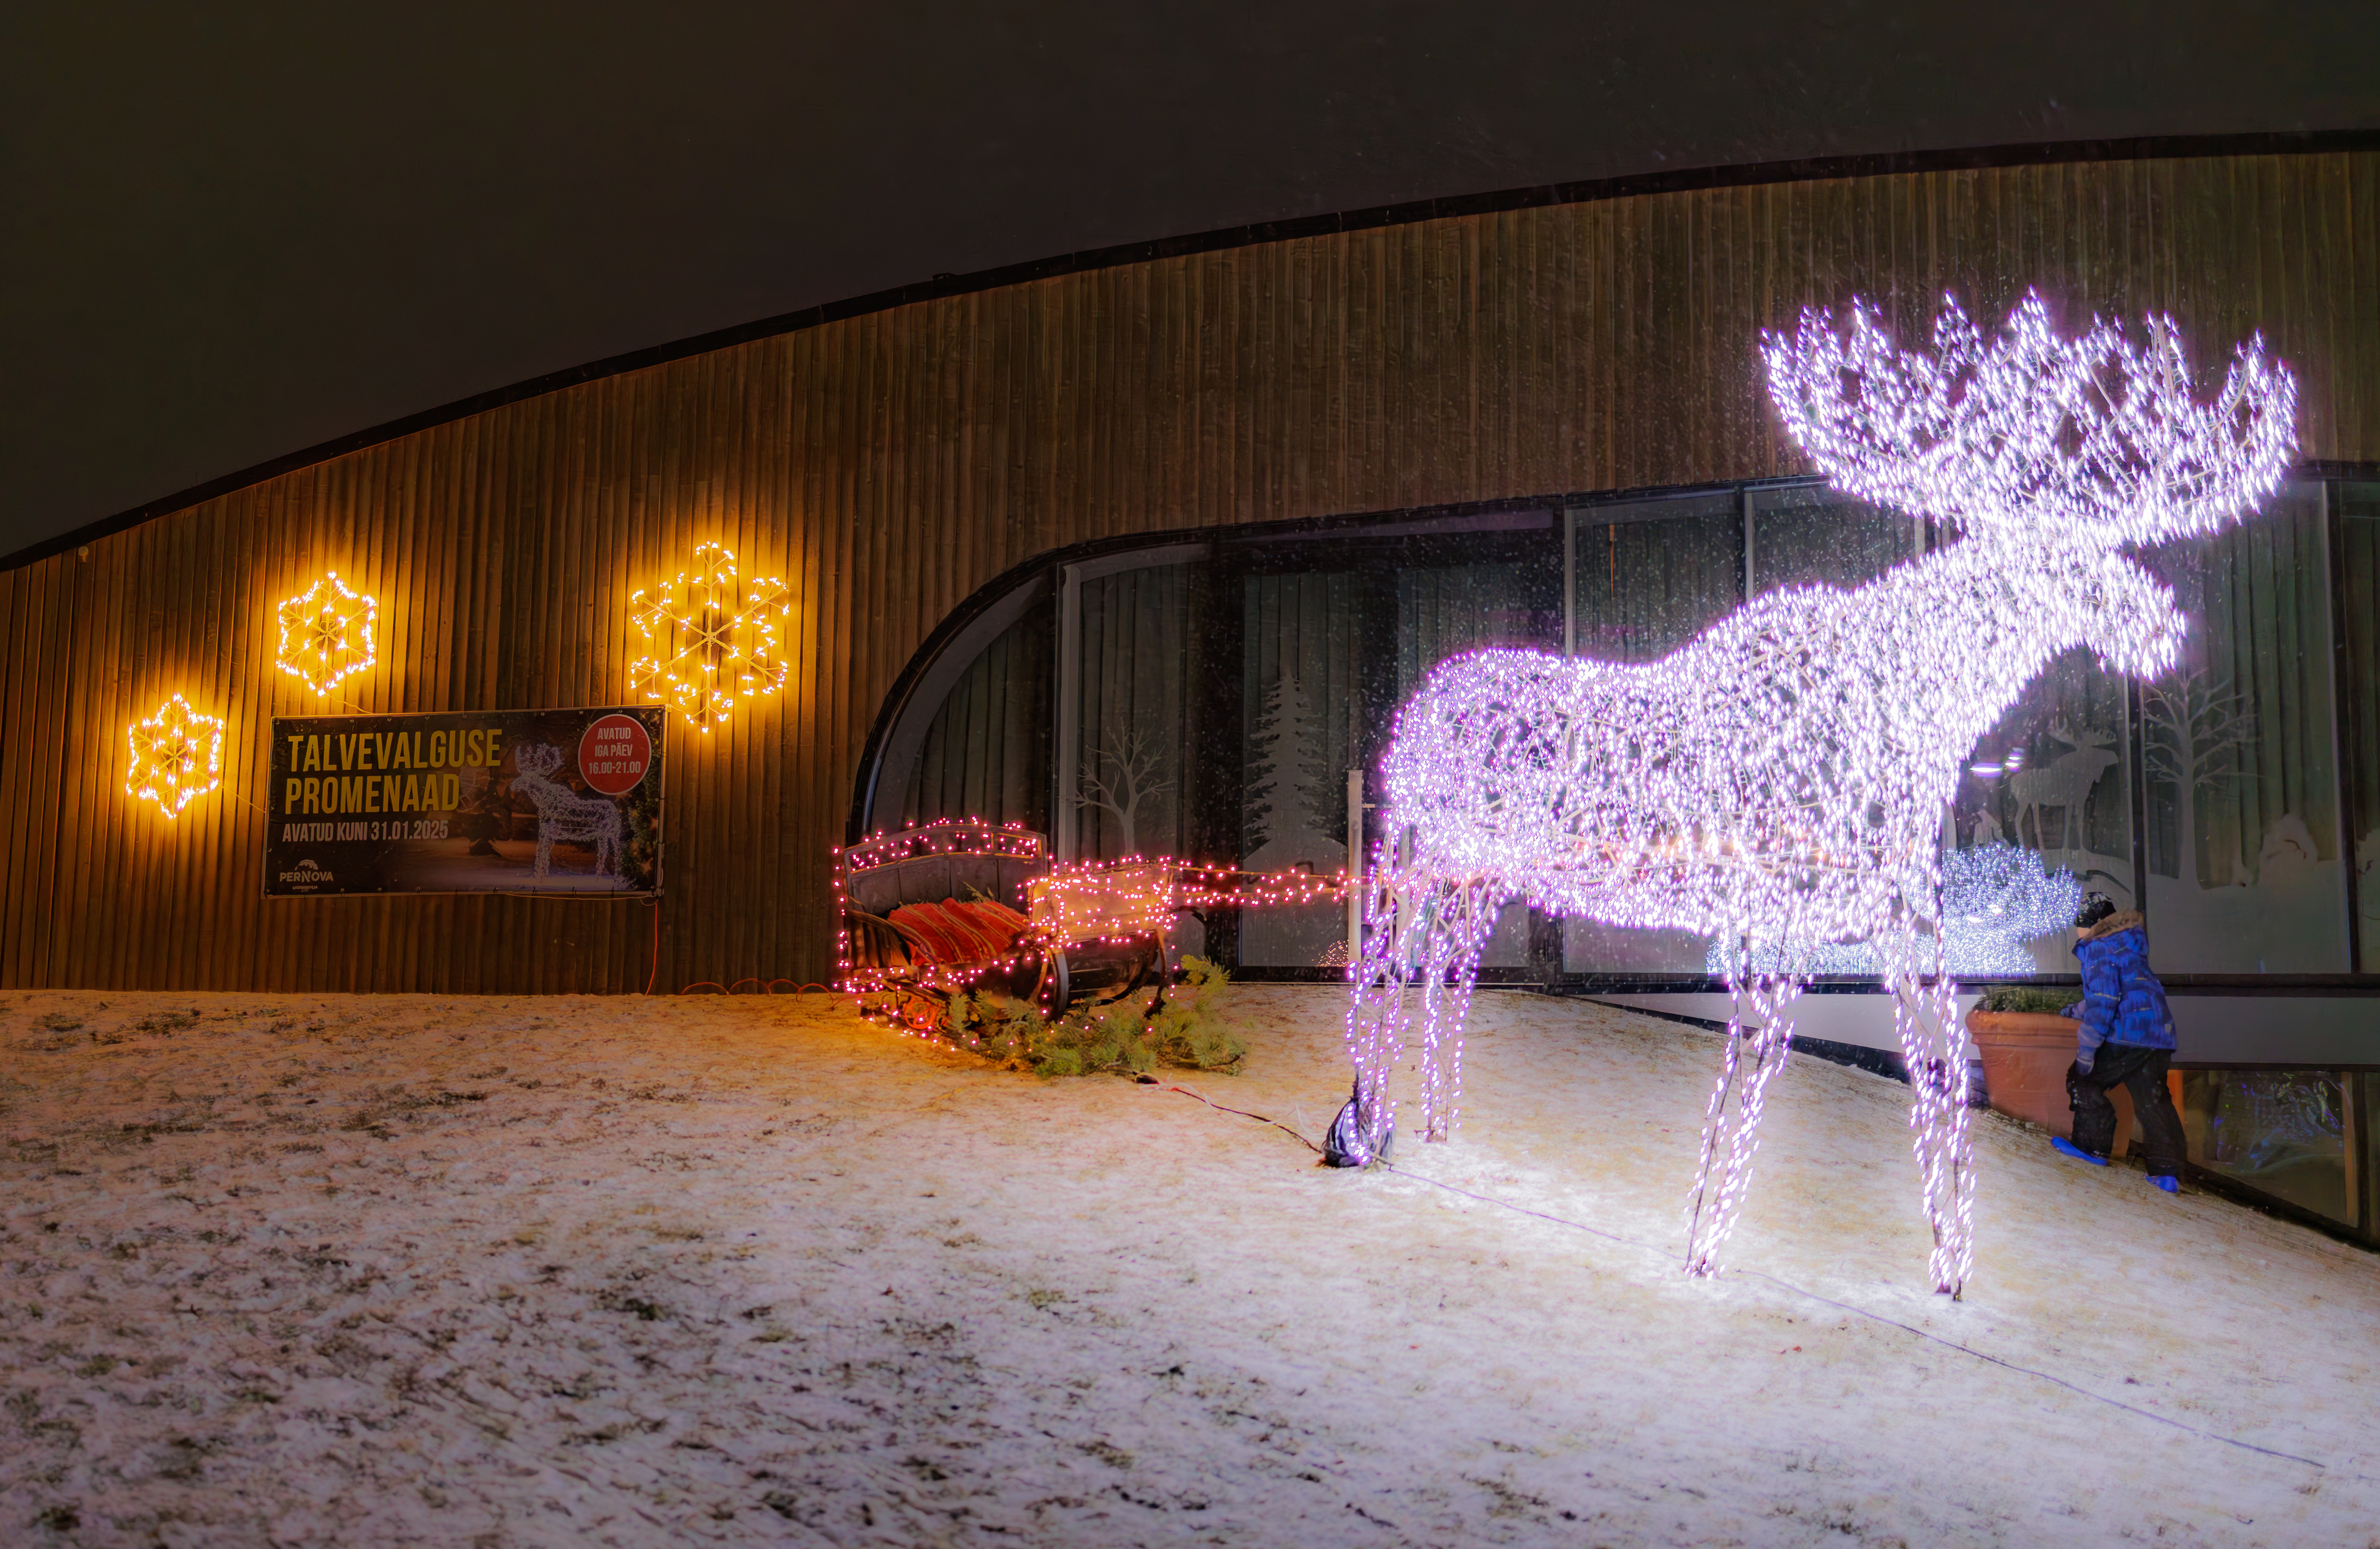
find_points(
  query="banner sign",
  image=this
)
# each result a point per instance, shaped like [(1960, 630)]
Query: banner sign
[(472, 802)]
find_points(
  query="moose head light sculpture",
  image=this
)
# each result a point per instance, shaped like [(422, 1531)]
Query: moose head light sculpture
[(1781, 779)]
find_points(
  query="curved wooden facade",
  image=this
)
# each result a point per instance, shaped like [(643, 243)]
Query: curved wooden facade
[(887, 464)]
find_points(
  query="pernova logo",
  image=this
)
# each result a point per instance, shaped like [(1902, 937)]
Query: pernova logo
[(307, 871)]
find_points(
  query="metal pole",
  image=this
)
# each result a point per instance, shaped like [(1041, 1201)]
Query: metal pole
[(1066, 757), (1747, 546), (1355, 869), (1570, 583)]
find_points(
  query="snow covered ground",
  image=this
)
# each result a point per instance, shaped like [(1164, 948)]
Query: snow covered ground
[(402, 1270)]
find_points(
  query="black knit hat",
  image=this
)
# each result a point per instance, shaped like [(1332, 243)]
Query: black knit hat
[(2095, 907)]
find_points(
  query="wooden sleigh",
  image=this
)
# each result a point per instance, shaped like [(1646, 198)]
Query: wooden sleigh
[(951, 908), (946, 909)]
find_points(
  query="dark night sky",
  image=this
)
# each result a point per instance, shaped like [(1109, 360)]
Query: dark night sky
[(228, 236)]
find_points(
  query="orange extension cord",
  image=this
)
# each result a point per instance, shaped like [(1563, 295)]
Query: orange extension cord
[(768, 987)]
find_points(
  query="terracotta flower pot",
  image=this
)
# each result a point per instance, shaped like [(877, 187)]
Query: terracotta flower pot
[(2025, 1058)]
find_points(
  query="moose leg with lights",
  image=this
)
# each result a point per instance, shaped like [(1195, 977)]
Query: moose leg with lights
[(1780, 782), (1759, 1033)]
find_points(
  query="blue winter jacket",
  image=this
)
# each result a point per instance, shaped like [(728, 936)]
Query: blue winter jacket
[(2123, 1002)]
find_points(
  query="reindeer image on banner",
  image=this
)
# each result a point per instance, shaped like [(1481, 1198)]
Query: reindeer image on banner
[(562, 813), (1781, 781)]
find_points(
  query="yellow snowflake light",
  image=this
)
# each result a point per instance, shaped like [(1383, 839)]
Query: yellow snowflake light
[(715, 636), (328, 633), (176, 756)]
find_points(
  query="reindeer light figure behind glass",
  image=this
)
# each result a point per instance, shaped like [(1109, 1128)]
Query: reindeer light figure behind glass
[(1782, 778)]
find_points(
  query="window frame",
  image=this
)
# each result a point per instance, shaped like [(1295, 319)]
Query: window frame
[(1380, 543)]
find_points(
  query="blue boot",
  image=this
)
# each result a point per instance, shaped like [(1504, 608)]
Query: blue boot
[(2170, 1184), (2068, 1148)]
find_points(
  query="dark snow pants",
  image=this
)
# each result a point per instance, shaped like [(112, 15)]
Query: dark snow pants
[(2141, 1071)]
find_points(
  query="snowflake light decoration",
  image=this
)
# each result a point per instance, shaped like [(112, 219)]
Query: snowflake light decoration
[(327, 633), (1781, 779), (176, 756), (717, 638)]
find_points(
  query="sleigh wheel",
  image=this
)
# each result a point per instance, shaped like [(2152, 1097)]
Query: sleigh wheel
[(1142, 966)]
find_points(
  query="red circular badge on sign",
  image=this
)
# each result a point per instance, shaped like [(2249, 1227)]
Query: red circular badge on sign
[(614, 754)]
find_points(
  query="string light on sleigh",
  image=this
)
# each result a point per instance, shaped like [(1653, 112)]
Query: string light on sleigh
[(1127, 906)]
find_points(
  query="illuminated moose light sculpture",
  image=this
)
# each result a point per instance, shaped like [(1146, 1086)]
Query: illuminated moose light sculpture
[(1782, 778)]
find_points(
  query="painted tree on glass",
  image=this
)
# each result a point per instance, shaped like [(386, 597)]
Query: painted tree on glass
[(2197, 728), (1122, 778), (1289, 773), (1783, 777)]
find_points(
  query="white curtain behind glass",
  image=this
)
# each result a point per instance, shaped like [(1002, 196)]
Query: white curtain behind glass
[(2246, 874), (987, 751), (1128, 779), (2358, 514)]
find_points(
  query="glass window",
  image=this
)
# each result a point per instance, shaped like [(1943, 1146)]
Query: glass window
[(2237, 800), (1646, 577), (1812, 533), (1444, 609), (1300, 735), (2284, 1132), (2364, 1087), (2357, 507), (2054, 781), (1133, 708), (986, 753), (1650, 576), (2245, 870)]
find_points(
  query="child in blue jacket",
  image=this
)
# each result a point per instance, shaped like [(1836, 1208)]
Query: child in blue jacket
[(2127, 1040)]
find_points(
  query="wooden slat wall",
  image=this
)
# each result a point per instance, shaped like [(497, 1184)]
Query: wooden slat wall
[(888, 465)]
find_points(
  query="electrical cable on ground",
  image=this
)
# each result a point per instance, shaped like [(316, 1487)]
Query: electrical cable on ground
[(655, 972), (1785, 1285), (768, 987), (1245, 1114), (652, 901)]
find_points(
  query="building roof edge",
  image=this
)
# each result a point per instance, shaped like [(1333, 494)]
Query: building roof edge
[(1808, 169)]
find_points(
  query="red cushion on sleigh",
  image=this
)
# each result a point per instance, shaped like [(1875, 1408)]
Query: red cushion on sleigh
[(959, 931)]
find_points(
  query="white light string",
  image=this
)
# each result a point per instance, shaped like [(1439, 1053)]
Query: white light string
[(1995, 899), (1781, 779)]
